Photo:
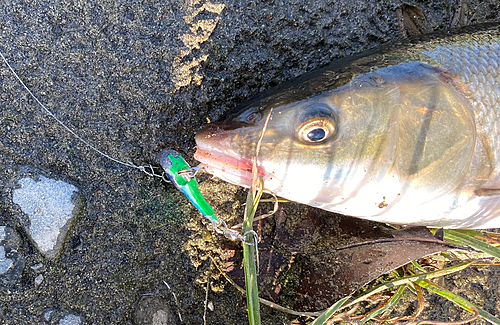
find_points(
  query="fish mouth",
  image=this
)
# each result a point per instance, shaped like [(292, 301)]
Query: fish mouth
[(214, 151), (235, 170)]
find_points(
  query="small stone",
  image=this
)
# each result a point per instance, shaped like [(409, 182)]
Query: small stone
[(49, 205), (154, 311), (70, 319), (48, 313), (37, 267), (161, 317), (5, 263), (38, 279), (11, 259)]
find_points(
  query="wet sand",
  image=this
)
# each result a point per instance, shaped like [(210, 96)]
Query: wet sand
[(134, 77)]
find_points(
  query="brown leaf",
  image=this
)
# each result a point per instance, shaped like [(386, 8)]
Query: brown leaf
[(310, 258)]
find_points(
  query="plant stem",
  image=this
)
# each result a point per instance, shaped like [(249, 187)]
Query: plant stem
[(249, 253)]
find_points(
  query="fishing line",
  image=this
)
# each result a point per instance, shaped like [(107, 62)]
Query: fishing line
[(144, 169), (187, 172)]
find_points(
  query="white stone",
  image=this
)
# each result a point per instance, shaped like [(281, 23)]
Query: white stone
[(5, 263), (38, 279), (160, 318), (49, 207), (48, 313), (37, 267), (70, 320)]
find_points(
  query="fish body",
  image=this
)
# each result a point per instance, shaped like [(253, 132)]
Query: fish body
[(407, 134)]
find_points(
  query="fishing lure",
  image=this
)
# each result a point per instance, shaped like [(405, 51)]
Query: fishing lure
[(182, 175)]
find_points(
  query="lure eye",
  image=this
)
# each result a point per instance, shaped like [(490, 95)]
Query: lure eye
[(316, 130)]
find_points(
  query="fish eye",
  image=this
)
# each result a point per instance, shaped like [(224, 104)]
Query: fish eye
[(316, 130), (316, 123)]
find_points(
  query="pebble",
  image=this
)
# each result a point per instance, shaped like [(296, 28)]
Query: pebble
[(154, 311), (161, 317), (70, 319), (50, 206), (39, 280), (37, 267), (48, 313), (5, 263), (12, 261), (210, 306)]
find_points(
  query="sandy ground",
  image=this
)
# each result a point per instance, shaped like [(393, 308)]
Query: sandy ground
[(134, 77)]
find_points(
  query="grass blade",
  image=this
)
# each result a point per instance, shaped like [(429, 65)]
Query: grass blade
[(385, 286), (390, 304), (409, 279), (458, 300), (329, 312), (249, 253), (464, 239)]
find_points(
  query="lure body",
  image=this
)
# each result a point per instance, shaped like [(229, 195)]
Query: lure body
[(181, 175), (173, 164)]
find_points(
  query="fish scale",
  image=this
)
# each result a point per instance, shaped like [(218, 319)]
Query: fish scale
[(477, 65)]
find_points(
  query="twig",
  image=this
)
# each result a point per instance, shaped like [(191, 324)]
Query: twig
[(206, 296), (175, 299)]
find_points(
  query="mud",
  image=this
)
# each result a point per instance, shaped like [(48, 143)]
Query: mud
[(134, 77)]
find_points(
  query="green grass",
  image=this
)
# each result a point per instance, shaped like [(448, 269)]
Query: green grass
[(458, 300), (250, 256), (462, 238), (417, 279)]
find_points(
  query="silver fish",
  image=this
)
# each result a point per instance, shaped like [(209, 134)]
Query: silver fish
[(407, 134)]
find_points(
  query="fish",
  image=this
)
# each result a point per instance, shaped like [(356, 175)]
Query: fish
[(405, 134)]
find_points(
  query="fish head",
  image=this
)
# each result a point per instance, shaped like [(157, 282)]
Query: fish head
[(311, 144), (369, 140)]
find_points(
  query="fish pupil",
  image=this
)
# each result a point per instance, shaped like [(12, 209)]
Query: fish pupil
[(316, 135)]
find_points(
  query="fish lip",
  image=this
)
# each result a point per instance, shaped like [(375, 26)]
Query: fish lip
[(215, 153), (236, 170)]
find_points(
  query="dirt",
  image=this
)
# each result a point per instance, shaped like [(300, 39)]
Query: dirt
[(134, 77)]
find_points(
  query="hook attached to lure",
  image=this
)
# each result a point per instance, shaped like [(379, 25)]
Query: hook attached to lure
[(181, 175)]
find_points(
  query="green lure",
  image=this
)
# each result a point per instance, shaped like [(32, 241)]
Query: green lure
[(172, 164), (180, 174)]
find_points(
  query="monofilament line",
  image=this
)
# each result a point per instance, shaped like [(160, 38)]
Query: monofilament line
[(128, 164)]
